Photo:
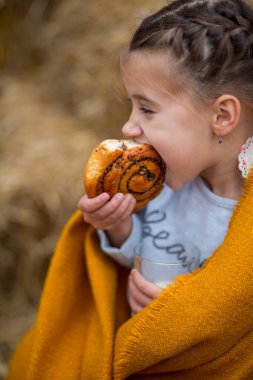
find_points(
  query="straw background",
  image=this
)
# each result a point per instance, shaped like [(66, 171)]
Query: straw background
[(60, 95)]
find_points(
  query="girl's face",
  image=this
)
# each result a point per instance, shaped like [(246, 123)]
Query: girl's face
[(178, 128)]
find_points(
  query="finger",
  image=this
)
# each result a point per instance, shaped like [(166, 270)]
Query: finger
[(129, 205), (109, 207), (121, 213), (137, 298), (148, 288), (104, 217), (114, 210), (135, 307), (89, 205)]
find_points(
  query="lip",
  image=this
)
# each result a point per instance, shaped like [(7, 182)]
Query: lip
[(139, 141)]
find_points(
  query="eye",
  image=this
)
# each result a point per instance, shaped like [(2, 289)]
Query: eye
[(146, 110)]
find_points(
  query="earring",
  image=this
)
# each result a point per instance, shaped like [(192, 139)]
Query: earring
[(220, 141), (245, 157)]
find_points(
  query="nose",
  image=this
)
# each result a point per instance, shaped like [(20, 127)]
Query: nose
[(133, 130)]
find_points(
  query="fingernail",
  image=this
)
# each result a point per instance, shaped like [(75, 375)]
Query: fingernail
[(133, 271), (129, 197), (104, 197), (85, 196), (119, 196)]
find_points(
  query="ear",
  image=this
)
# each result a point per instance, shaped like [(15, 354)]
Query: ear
[(227, 111)]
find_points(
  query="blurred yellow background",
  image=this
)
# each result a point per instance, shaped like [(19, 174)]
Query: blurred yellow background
[(60, 95)]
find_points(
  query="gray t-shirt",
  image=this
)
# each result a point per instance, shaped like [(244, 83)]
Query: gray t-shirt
[(176, 223)]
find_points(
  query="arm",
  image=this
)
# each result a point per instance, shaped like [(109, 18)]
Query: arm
[(118, 229)]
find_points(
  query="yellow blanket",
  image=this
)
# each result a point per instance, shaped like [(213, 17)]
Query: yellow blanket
[(200, 327)]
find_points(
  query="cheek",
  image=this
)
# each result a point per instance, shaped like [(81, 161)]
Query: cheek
[(177, 159), (168, 151)]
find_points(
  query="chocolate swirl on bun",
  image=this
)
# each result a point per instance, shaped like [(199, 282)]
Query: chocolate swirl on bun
[(126, 167)]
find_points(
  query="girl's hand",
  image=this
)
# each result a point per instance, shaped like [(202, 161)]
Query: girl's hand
[(140, 291), (110, 214)]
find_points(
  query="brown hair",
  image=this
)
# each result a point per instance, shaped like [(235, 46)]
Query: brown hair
[(211, 42)]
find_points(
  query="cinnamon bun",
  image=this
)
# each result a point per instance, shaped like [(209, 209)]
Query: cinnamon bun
[(127, 167)]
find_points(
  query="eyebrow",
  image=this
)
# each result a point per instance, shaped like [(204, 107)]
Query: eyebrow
[(142, 97)]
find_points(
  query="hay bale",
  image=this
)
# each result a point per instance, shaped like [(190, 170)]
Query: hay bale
[(58, 101)]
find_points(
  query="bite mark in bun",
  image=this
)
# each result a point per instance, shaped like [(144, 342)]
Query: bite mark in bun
[(127, 167)]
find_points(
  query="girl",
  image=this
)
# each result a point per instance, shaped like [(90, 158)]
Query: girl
[(188, 72)]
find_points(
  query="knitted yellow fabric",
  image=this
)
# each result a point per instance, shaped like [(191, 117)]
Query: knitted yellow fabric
[(200, 327)]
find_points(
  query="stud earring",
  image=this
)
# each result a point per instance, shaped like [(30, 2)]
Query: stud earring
[(245, 157)]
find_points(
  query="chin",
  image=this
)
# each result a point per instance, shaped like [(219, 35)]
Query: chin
[(175, 184)]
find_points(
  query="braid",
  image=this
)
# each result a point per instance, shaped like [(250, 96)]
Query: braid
[(211, 40)]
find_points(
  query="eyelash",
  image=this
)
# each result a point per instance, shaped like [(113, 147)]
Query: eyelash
[(142, 109), (146, 110)]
